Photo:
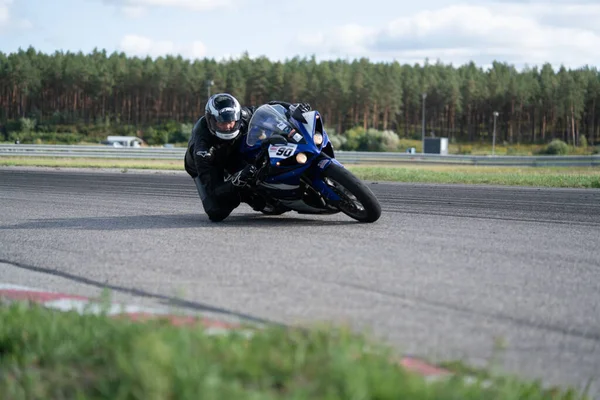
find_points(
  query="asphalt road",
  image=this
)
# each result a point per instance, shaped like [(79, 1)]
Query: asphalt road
[(445, 272)]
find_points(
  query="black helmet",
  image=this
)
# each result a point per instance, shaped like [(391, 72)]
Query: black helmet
[(222, 108)]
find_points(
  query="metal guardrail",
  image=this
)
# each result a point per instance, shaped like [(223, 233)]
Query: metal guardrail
[(346, 157), (31, 150)]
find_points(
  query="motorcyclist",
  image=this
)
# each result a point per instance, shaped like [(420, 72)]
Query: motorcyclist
[(212, 151)]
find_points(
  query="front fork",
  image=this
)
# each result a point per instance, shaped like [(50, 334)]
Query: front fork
[(317, 180)]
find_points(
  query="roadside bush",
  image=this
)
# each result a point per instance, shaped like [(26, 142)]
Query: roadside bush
[(464, 149), (169, 132), (27, 125), (352, 138), (337, 141), (154, 137), (556, 148), (389, 140), (45, 138), (371, 140)]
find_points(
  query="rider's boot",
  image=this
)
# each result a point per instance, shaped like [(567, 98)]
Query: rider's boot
[(256, 202)]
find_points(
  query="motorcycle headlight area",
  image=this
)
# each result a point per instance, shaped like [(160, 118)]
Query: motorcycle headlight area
[(300, 158), (318, 139)]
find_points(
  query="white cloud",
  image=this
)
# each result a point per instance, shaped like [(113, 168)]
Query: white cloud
[(136, 45), (134, 11), (7, 21), (137, 8), (517, 33), (4, 13)]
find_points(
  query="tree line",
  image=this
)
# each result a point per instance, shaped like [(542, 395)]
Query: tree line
[(534, 105)]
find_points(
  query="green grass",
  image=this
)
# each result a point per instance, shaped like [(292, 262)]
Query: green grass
[(511, 150), (46, 354), (567, 177)]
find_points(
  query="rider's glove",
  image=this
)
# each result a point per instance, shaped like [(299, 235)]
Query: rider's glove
[(304, 107), (244, 177), (247, 113)]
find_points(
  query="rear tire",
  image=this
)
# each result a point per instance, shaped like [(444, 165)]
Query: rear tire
[(364, 207)]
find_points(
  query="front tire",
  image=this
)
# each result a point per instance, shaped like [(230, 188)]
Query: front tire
[(357, 200)]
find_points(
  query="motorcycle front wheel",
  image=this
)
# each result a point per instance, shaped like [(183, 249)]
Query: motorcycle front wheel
[(357, 200)]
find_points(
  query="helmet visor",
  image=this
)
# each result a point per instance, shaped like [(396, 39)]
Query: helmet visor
[(228, 114), (227, 126)]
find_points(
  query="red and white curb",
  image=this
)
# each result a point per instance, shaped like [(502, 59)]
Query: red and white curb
[(82, 304), (428, 371)]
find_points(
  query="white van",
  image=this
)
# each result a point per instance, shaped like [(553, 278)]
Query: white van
[(123, 141)]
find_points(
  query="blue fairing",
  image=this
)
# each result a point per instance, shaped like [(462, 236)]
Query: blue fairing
[(283, 179)]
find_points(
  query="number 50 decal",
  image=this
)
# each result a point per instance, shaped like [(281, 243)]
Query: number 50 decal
[(282, 151)]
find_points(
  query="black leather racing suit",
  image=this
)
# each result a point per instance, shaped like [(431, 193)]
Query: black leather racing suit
[(219, 197)]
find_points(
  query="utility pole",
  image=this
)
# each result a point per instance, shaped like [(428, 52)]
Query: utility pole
[(423, 126), (494, 134), (208, 85)]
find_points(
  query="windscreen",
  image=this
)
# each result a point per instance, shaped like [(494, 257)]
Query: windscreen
[(265, 121)]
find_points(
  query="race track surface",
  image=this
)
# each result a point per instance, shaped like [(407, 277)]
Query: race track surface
[(446, 271)]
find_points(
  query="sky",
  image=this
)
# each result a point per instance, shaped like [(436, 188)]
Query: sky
[(521, 32)]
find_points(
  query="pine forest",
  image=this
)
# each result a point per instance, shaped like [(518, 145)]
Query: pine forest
[(78, 96)]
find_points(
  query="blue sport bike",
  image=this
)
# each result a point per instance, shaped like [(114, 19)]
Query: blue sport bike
[(297, 169)]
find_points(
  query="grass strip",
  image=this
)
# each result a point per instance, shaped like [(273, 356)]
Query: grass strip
[(48, 354), (559, 177), (564, 177)]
